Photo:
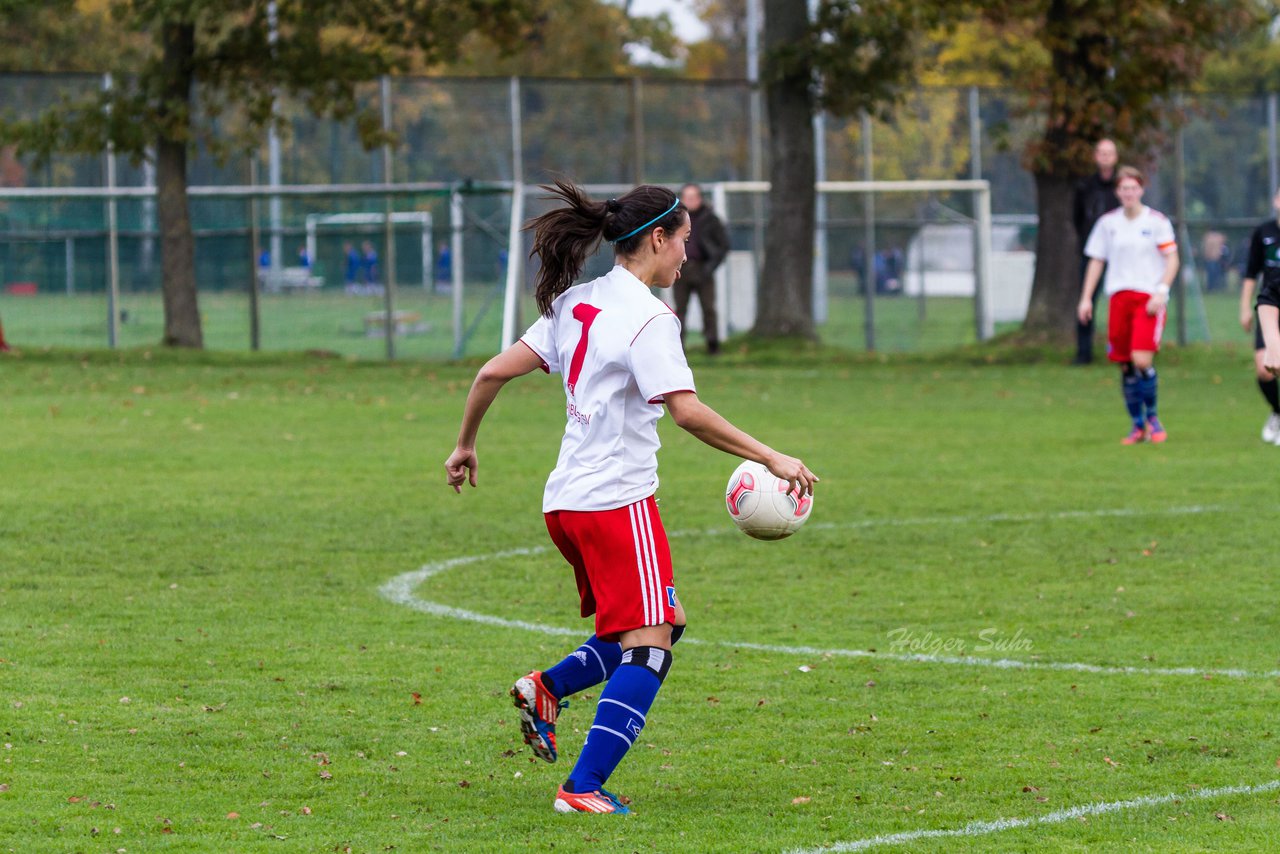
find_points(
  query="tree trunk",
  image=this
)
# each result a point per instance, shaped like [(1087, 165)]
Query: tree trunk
[(177, 243), (785, 290), (1055, 291)]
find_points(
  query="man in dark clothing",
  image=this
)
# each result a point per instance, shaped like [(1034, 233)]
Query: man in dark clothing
[(1095, 195), (707, 247)]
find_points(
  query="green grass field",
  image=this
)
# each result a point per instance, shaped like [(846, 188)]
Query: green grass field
[(335, 322), (196, 655)]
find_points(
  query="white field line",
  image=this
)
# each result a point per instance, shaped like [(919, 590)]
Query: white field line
[(983, 828), (401, 591)]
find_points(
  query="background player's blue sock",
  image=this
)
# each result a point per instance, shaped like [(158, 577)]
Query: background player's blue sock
[(589, 664), (620, 715), (1132, 395), (1147, 390), (1271, 391)]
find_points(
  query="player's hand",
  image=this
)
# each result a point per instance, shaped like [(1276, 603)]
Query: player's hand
[(1084, 311), (462, 465), (1271, 360), (1156, 304), (794, 472), (1246, 319)]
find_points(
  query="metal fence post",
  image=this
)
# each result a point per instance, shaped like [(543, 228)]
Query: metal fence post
[(113, 243), (456, 272), (1273, 158), (389, 230), (1180, 217), (637, 131), (255, 247), (869, 238)]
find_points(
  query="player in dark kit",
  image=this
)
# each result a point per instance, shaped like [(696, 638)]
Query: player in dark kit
[(1264, 266)]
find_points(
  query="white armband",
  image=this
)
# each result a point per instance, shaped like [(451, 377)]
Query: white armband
[(1162, 290)]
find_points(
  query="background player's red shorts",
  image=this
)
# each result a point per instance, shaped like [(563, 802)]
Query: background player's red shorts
[(1130, 328), (622, 563)]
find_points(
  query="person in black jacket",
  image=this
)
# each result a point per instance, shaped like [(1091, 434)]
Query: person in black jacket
[(1263, 268), (1095, 195), (707, 247)]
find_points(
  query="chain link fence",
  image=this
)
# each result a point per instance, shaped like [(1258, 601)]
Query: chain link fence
[(319, 259)]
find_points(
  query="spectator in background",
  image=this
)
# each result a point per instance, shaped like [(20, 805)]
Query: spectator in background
[(304, 257), (444, 262), (1263, 267), (351, 277), (1095, 195), (707, 247), (369, 263), (1215, 254)]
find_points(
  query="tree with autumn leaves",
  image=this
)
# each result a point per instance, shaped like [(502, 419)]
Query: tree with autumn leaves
[(1107, 69), (243, 54)]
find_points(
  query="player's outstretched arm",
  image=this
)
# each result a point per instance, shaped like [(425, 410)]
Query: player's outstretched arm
[(516, 361), (711, 427)]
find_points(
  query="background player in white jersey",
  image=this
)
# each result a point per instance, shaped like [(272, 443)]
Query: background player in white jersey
[(1264, 266), (617, 348), (1137, 247)]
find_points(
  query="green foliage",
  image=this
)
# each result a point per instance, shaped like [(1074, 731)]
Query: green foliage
[(321, 51), (63, 36), (861, 54), (568, 38), (1112, 67), (194, 650)]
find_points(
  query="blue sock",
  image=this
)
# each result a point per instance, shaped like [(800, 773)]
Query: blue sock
[(620, 715), (1129, 384), (1147, 390), (589, 664)]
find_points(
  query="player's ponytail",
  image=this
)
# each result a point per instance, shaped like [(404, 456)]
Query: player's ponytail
[(564, 238)]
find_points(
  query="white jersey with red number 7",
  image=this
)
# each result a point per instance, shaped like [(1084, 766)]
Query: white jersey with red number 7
[(617, 348)]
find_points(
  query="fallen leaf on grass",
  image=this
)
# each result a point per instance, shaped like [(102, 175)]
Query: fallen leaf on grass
[(232, 816), (1030, 788), (325, 775), (417, 698), (1221, 816), (306, 810), (801, 800), (464, 784)]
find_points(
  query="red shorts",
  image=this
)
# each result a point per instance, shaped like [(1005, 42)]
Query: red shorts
[(1130, 328), (622, 563)]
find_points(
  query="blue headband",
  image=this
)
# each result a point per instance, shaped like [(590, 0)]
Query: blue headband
[(674, 205)]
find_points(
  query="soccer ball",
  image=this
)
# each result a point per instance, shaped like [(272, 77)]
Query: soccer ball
[(760, 505)]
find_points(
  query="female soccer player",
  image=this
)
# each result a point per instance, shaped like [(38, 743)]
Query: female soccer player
[(617, 348), (1137, 247), (1264, 266)]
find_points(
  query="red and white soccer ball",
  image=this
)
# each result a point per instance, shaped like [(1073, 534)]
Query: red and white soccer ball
[(760, 505)]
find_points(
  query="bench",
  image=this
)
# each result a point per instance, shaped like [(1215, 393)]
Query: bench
[(404, 322), (288, 279)]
